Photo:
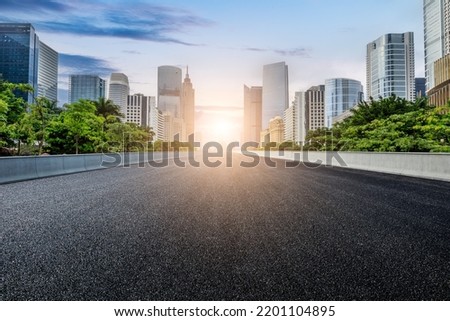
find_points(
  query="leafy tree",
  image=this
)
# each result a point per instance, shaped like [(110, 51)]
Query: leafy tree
[(83, 125), (106, 107), (127, 137)]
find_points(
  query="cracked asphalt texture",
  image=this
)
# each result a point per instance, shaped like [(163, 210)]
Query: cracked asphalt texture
[(225, 234)]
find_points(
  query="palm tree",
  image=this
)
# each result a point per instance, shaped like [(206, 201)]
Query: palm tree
[(106, 107)]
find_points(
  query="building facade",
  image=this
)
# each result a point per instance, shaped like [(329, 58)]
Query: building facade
[(302, 118), (86, 87), (119, 89), (139, 109), (19, 56), (421, 90), (276, 130), (169, 90), (252, 113), (390, 66), (315, 107), (436, 17), (47, 72), (439, 95), (188, 106), (275, 93), (341, 94)]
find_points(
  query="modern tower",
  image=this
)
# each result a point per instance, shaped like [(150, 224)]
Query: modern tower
[(390, 66), (19, 55), (341, 94), (119, 89), (47, 72), (275, 95), (139, 109), (436, 17), (169, 90), (290, 120), (302, 119), (86, 87), (252, 113), (315, 107), (188, 105)]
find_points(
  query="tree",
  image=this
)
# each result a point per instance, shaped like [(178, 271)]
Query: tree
[(106, 107), (83, 125)]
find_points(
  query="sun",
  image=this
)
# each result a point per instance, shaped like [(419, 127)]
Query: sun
[(223, 131)]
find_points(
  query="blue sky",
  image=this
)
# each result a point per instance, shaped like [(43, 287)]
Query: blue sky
[(225, 43)]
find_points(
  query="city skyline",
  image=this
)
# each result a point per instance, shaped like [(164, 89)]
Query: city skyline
[(223, 49)]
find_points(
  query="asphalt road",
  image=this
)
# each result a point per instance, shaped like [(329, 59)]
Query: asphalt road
[(225, 234)]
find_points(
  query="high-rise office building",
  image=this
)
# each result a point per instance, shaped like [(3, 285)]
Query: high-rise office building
[(252, 113), (169, 90), (315, 107), (421, 87), (47, 72), (302, 119), (290, 120), (341, 94), (390, 66), (156, 123), (19, 56), (139, 109), (188, 105), (275, 95), (119, 89), (86, 87), (436, 17)]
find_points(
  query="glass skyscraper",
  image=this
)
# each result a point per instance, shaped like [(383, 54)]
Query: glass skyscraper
[(341, 94), (19, 55), (86, 87), (390, 66), (436, 17), (275, 95), (169, 90)]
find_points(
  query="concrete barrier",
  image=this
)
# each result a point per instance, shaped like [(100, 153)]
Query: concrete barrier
[(17, 169), (49, 165), (423, 165)]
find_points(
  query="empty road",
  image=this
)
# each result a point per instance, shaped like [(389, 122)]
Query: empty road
[(222, 233)]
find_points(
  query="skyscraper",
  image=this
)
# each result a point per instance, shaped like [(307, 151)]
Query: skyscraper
[(421, 87), (341, 94), (119, 89), (86, 87), (139, 109), (169, 90), (252, 113), (47, 72), (19, 55), (275, 94), (290, 120), (302, 119), (188, 105), (436, 17), (390, 66), (315, 107)]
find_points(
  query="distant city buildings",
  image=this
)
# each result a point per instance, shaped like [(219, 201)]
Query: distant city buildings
[(436, 17), (341, 94), (25, 59), (290, 121), (390, 66), (90, 87), (315, 107), (138, 109), (275, 92), (119, 89), (252, 113), (302, 116)]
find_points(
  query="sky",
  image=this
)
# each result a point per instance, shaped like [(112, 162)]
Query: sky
[(225, 43)]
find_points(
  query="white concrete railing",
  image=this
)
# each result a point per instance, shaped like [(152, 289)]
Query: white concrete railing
[(424, 165), (13, 169)]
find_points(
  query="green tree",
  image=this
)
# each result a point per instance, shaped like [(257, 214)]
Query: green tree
[(83, 125), (106, 107)]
